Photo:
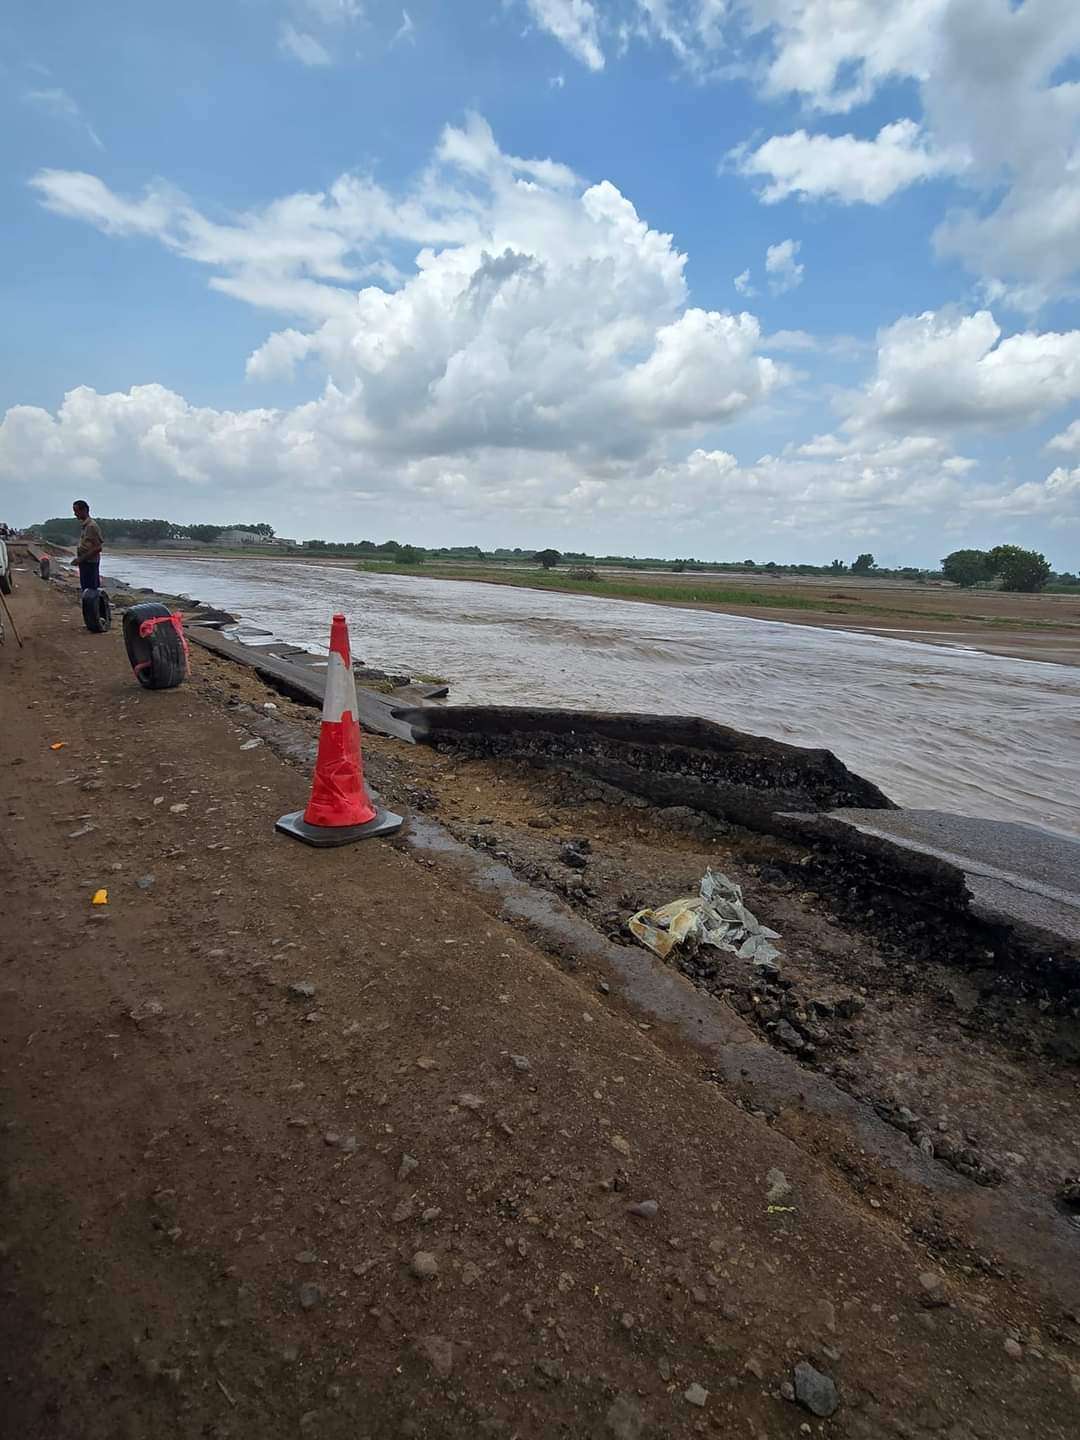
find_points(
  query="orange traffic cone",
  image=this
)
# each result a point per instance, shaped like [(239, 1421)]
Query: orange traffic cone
[(340, 810)]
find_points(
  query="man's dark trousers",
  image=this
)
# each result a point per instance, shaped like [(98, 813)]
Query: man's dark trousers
[(89, 576)]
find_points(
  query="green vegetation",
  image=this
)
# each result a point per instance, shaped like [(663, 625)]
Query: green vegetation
[(548, 558), (1025, 570), (64, 530), (1012, 567)]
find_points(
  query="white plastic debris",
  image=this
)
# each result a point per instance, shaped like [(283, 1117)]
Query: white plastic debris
[(716, 916)]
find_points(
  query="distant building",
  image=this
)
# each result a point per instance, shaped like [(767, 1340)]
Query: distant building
[(240, 537)]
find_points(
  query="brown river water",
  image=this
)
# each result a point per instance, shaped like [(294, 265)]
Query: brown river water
[(948, 729)]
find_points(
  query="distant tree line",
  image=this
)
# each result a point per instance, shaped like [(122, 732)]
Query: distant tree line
[(1007, 567), (64, 530)]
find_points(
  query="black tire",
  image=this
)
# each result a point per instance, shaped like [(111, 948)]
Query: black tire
[(97, 612), (6, 582), (157, 659)]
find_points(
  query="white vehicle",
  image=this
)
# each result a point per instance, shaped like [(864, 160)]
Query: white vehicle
[(5, 570)]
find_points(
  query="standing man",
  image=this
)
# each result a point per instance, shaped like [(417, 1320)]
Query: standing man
[(89, 552)]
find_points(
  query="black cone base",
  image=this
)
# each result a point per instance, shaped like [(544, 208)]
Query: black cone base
[(326, 836)]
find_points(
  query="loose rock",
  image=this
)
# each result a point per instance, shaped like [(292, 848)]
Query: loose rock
[(621, 1145), (302, 989), (696, 1395), (424, 1265), (407, 1166), (646, 1209), (814, 1391), (779, 1186), (520, 1062), (310, 1296), (933, 1290)]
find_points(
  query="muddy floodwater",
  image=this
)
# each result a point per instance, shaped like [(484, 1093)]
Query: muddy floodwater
[(945, 728)]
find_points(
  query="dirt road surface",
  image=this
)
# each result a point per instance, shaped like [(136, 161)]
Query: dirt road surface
[(271, 1167)]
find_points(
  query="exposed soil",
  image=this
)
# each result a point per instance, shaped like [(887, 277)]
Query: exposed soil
[(208, 1226)]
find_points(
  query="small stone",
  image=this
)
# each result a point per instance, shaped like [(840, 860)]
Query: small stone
[(177, 809), (332, 1138), (424, 1265), (621, 1145), (430, 1215), (814, 1391), (307, 1257), (624, 1419), (521, 1063), (438, 1352), (147, 1010), (626, 1320), (604, 987), (778, 1186), (789, 1037), (310, 1296), (551, 1370), (664, 1366), (696, 1395), (646, 1209), (407, 1166), (301, 989), (787, 1390), (933, 1288), (404, 1210), (425, 1062), (470, 1102), (572, 857), (144, 882), (1014, 1350)]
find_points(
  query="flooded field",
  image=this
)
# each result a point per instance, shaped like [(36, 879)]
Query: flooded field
[(936, 727)]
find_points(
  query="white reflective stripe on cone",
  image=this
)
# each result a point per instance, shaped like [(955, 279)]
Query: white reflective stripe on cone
[(340, 694)]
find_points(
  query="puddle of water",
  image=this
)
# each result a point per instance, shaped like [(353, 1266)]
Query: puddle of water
[(935, 727)]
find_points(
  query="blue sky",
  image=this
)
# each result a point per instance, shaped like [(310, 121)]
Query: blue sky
[(712, 277)]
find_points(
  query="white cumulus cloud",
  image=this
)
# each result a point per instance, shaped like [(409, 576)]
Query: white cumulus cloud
[(841, 167), (945, 370), (1068, 442), (541, 337)]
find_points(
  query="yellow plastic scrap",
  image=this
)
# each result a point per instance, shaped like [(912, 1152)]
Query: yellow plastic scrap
[(101, 897), (662, 930), (59, 745)]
